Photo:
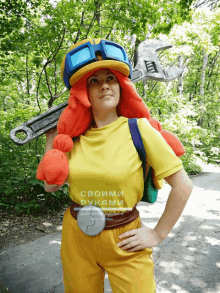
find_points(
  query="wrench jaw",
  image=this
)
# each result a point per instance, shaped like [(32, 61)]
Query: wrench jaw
[(149, 66), (151, 70)]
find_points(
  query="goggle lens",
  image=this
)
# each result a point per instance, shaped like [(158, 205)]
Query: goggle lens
[(114, 52), (83, 55)]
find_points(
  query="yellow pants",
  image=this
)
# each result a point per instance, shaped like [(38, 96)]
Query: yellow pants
[(86, 258)]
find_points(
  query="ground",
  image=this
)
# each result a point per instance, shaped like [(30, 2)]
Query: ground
[(186, 261), (20, 229)]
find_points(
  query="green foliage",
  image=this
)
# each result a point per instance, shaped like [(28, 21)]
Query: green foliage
[(192, 116), (19, 188), (190, 162), (35, 35)]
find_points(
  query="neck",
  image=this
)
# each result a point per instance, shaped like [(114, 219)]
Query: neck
[(105, 118)]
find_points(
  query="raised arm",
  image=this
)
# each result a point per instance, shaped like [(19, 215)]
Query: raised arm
[(50, 137)]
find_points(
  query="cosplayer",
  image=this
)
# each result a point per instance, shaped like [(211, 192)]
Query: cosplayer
[(95, 153)]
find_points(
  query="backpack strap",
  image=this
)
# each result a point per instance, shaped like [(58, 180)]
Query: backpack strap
[(138, 143), (150, 191)]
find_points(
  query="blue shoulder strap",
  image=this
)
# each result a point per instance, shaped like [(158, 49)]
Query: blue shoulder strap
[(150, 190), (138, 143)]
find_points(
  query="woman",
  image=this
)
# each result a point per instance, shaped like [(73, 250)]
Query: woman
[(105, 173)]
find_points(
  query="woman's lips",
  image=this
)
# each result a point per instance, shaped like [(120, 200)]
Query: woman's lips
[(105, 96)]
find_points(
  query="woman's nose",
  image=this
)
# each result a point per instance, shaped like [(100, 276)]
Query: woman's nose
[(104, 85)]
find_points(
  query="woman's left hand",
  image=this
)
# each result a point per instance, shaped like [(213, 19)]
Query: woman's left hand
[(139, 239)]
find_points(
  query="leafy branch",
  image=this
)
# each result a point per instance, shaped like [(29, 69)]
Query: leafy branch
[(49, 60)]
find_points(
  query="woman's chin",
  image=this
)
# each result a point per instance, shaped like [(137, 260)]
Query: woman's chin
[(108, 105)]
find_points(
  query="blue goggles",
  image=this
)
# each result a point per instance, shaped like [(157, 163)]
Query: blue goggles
[(86, 54)]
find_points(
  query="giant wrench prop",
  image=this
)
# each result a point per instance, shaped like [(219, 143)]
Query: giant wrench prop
[(148, 67)]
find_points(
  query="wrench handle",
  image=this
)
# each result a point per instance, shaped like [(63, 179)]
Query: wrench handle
[(37, 126), (137, 75)]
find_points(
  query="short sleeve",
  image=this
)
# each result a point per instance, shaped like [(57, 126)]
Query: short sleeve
[(160, 155)]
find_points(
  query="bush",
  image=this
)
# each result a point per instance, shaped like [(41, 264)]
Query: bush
[(20, 191), (27, 195)]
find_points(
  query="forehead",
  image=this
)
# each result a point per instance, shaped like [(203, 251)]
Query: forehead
[(101, 72)]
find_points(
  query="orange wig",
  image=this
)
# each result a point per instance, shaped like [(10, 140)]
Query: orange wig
[(77, 117)]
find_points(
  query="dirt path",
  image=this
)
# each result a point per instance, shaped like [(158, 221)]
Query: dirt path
[(21, 229)]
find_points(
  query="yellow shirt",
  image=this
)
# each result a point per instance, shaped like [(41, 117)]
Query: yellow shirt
[(105, 169)]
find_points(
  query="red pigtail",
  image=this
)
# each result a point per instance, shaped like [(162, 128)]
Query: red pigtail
[(75, 119)]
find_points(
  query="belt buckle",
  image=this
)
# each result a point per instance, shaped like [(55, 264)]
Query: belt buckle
[(91, 220)]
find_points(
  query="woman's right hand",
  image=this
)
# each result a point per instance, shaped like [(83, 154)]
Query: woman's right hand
[(50, 135)]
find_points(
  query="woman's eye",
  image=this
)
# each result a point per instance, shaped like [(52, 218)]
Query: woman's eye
[(111, 77), (93, 80)]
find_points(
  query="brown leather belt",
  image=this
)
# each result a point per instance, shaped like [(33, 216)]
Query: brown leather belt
[(112, 220)]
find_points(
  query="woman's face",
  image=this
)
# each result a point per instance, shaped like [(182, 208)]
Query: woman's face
[(103, 90)]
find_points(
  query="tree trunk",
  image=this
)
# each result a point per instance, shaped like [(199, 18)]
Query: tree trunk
[(137, 43), (55, 75), (205, 62), (180, 79), (202, 85), (27, 71), (27, 78), (97, 16), (212, 67)]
